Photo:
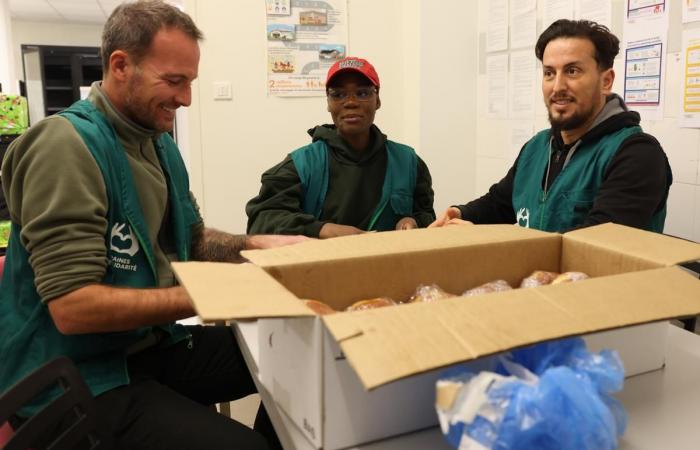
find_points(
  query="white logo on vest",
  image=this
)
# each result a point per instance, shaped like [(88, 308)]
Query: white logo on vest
[(523, 217), (120, 239)]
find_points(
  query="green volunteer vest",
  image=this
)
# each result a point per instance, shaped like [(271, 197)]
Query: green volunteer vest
[(28, 336), (311, 163), (570, 197)]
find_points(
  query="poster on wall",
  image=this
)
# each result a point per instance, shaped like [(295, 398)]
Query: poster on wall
[(644, 44), (690, 103), (645, 9), (691, 10), (304, 38)]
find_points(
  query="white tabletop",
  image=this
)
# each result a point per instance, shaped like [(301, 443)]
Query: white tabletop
[(663, 406)]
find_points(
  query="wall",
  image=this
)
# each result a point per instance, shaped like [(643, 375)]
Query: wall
[(233, 142), (7, 70), (448, 85), (495, 152)]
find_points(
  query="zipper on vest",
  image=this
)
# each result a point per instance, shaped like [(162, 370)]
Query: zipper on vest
[(542, 208), (190, 344), (143, 247)]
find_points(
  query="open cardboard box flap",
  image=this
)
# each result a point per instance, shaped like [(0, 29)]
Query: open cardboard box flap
[(385, 345), (222, 291), (417, 338)]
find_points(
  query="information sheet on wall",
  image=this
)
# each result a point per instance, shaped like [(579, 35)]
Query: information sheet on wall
[(554, 10), (690, 104), (691, 10), (599, 11), (523, 23), (304, 38), (497, 31), (645, 37)]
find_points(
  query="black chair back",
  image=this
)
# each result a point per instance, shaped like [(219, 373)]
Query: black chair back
[(66, 422)]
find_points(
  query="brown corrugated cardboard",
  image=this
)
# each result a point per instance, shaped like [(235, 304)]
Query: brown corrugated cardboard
[(632, 284)]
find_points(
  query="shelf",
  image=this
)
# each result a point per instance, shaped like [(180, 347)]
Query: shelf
[(63, 70)]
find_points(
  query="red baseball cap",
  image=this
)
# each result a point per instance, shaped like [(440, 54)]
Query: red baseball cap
[(354, 64)]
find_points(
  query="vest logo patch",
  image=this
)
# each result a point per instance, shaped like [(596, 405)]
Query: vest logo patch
[(523, 217), (125, 243)]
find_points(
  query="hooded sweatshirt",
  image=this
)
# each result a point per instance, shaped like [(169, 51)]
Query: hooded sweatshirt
[(354, 189), (634, 187)]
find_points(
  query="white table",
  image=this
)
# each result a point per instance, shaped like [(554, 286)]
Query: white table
[(663, 406)]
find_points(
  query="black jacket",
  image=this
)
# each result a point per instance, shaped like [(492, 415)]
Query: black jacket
[(634, 186)]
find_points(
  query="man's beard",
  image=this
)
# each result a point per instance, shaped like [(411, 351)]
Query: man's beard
[(571, 123), (135, 109)]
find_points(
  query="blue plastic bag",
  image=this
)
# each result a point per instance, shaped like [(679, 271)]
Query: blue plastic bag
[(549, 396)]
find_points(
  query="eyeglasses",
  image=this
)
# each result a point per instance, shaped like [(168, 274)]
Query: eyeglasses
[(363, 94)]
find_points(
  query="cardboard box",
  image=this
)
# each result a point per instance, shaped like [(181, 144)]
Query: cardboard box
[(319, 368)]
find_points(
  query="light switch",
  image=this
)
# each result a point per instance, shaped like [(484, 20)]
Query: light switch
[(222, 90)]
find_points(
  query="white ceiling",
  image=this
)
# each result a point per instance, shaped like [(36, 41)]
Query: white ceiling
[(93, 12)]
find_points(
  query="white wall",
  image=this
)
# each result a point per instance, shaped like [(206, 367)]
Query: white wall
[(408, 41), (448, 112), (7, 70), (494, 154)]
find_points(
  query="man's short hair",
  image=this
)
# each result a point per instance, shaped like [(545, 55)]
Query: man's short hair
[(606, 44), (132, 26)]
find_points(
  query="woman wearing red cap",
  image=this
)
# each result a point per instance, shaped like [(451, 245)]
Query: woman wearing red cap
[(351, 178)]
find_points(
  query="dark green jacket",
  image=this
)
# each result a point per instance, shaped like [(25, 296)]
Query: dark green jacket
[(356, 183), (28, 336), (396, 202)]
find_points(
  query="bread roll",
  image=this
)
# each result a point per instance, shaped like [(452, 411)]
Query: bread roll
[(371, 303), (492, 286), (538, 278), (568, 277), (429, 293), (319, 308)]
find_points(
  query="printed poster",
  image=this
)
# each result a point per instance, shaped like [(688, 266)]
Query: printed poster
[(645, 38), (690, 104), (304, 38)]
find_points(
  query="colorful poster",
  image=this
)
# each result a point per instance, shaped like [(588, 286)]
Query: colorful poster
[(639, 9), (305, 37), (643, 73), (645, 37), (690, 104)]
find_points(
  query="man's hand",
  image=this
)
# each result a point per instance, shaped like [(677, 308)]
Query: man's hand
[(260, 241), (449, 214), (331, 230), (407, 223)]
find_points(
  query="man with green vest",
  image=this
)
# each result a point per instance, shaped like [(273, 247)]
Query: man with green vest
[(351, 178), (595, 164), (100, 205)]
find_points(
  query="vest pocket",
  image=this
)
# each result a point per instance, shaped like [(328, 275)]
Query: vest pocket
[(575, 207), (402, 204)]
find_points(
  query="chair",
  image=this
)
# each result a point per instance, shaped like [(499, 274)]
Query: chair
[(71, 415)]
